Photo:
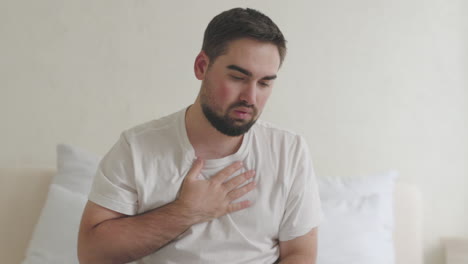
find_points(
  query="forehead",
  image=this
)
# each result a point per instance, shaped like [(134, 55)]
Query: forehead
[(260, 58)]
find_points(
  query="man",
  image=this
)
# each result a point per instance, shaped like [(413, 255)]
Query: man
[(210, 183)]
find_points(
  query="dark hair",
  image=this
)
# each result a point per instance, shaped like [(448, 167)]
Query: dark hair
[(239, 23)]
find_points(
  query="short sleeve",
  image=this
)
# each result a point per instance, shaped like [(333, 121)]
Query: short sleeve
[(302, 209), (114, 183)]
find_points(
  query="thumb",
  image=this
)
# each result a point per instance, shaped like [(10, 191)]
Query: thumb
[(195, 170)]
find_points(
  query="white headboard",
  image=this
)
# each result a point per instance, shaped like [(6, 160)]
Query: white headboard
[(408, 224)]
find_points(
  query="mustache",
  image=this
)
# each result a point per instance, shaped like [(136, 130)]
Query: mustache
[(244, 104)]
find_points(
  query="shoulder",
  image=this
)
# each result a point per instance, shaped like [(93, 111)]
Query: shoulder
[(279, 141), (162, 127), (272, 133)]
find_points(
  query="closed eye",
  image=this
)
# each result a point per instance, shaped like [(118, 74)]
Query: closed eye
[(237, 77)]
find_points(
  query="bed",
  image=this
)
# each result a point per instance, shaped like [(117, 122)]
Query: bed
[(23, 193)]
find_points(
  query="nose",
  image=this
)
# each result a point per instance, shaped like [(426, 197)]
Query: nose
[(249, 93)]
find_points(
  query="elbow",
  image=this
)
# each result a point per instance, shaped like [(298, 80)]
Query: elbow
[(83, 260), (85, 257), (83, 254), (90, 253)]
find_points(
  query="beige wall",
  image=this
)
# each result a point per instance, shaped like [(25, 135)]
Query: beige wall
[(372, 85)]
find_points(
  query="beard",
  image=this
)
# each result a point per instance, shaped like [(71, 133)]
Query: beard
[(224, 123)]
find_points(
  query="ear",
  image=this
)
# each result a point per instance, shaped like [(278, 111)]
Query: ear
[(201, 65)]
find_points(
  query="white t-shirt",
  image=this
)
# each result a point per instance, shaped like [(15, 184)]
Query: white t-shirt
[(146, 167)]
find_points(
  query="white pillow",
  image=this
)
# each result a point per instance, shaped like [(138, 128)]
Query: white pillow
[(358, 224), (357, 229), (54, 240)]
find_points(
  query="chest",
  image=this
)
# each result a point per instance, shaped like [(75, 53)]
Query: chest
[(161, 182)]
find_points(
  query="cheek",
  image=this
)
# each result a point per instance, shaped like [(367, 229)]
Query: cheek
[(225, 92), (262, 98), (221, 93)]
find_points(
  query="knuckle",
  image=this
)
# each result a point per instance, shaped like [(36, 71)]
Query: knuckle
[(239, 181), (232, 196), (222, 174), (225, 189), (241, 192), (234, 207), (231, 169), (238, 194)]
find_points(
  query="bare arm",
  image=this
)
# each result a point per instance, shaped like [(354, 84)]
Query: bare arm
[(301, 250), (110, 237)]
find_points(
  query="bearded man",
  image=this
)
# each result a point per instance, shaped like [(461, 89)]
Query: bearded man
[(210, 183)]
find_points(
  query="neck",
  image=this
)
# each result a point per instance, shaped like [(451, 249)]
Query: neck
[(208, 142)]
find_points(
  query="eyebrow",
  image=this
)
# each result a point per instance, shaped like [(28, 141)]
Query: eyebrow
[(248, 73)]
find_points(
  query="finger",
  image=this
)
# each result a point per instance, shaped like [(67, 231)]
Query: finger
[(238, 206), (195, 170), (238, 180), (226, 172), (239, 192)]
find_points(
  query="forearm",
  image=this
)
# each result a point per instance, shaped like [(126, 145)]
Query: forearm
[(127, 239)]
